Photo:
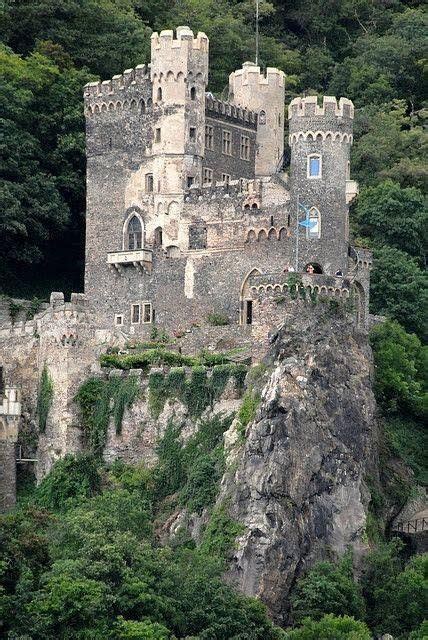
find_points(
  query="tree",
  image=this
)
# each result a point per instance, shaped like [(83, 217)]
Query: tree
[(390, 215), (395, 595), (327, 588), (398, 289), (400, 361), (330, 628)]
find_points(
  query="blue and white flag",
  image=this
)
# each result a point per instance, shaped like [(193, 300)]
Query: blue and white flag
[(307, 223)]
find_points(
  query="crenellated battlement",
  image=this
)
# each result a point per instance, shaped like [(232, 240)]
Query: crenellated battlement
[(233, 189), (185, 40), (251, 74), (218, 108), (307, 107), (105, 89)]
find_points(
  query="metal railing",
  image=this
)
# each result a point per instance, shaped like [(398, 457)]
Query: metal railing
[(412, 526)]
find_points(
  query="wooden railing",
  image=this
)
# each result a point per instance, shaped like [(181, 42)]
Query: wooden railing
[(412, 526)]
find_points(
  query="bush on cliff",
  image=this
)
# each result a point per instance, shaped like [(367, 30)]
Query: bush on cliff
[(330, 628), (328, 588), (71, 480)]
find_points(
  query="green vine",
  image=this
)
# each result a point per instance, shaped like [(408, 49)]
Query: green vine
[(98, 401), (197, 392), (44, 398)]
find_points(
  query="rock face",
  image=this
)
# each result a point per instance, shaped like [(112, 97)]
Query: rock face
[(298, 485)]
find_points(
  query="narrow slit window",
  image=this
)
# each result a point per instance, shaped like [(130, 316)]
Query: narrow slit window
[(158, 135), (192, 134), (149, 183), (118, 320), (209, 137)]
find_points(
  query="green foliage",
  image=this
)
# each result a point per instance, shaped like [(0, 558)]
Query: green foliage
[(328, 588), (400, 360), (197, 392), (248, 409), (100, 399), (15, 309), (391, 215), (34, 308), (146, 630), (193, 470), (399, 289), (330, 627), (395, 594), (407, 439), (44, 398), (220, 534), (71, 480), (217, 319)]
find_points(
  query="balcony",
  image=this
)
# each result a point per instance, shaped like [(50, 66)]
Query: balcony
[(351, 190), (140, 259)]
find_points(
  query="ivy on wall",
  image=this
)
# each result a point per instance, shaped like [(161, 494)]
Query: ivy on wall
[(44, 398), (99, 400), (197, 392)]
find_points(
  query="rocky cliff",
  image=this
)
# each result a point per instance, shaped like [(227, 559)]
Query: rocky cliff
[(297, 483)]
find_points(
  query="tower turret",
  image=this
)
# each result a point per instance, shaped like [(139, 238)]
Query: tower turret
[(179, 73), (263, 93), (320, 141)]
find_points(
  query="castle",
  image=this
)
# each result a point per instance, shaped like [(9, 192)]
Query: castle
[(190, 218)]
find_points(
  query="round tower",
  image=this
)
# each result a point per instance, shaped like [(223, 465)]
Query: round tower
[(320, 140), (264, 94), (179, 74)]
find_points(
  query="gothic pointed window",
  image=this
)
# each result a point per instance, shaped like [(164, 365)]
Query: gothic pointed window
[(314, 229), (135, 234)]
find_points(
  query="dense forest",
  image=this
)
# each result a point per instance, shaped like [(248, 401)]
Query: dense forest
[(81, 556)]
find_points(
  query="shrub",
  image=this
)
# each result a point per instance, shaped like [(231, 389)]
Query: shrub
[(44, 398), (327, 588), (71, 480), (330, 628), (248, 409), (220, 533), (218, 319)]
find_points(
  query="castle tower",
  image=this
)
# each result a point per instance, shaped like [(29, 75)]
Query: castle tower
[(179, 74), (250, 88), (320, 141)]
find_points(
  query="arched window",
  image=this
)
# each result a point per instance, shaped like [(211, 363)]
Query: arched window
[(262, 117), (158, 237), (314, 229), (159, 94), (193, 93), (314, 166), (135, 234)]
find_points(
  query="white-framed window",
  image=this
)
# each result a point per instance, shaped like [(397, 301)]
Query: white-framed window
[(149, 182), (314, 167), (118, 319), (314, 230), (207, 176), (209, 137), (147, 313), (135, 313), (245, 148), (225, 177), (226, 143), (192, 133)]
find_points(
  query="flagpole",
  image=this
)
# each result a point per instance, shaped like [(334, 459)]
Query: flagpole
[(297, 236), (257, 32)]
